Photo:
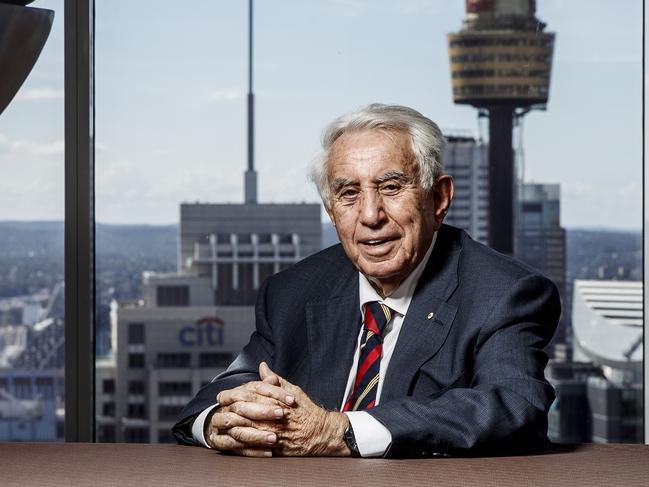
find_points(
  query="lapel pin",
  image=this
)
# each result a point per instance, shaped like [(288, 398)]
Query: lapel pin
[(430, 316)]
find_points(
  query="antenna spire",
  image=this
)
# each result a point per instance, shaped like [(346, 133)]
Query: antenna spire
[(250, 178)]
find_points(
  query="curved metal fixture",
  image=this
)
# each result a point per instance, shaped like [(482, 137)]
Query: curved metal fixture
[(23, 32)]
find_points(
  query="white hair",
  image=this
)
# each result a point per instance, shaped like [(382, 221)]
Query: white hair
[(426, 141)]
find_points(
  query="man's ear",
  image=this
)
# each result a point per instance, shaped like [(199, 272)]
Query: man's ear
[(443, 194), (331, 215)]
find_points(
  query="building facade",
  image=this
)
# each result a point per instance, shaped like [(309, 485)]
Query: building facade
[(467, 160), (541, 241), (190, 325), (599, 393)]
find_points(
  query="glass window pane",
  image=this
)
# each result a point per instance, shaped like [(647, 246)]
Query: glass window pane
[(180, 257), (32, 396)]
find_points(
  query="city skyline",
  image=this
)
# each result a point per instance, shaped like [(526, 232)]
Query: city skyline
[(177, 133)]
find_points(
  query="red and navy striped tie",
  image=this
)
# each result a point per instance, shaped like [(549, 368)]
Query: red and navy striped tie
[(363, 395)]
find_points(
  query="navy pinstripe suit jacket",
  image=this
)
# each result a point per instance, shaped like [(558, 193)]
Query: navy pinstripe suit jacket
[(468, 381)]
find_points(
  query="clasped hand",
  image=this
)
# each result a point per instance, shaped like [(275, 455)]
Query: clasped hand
[(273, 416)]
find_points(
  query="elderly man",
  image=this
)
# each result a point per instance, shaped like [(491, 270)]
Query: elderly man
[(408, 339)]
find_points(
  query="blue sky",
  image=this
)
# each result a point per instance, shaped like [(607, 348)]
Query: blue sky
[(171, 80)]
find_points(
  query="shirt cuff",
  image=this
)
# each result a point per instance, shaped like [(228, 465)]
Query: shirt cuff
[(372, 438), (198, 427)]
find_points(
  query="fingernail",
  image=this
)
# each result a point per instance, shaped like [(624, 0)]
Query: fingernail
[(271, 438), (289, 399), (279, 412)]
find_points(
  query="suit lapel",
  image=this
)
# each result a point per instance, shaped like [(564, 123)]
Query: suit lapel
[(333, 324), (429, 317)]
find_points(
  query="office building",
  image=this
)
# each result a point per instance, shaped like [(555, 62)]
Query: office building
[(467, 160), (236, 247), (599, 394), (32, 367), (541, 241), (190, 325)]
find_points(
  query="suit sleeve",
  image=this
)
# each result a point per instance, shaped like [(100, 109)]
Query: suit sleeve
[(244, 369), (505, 406)]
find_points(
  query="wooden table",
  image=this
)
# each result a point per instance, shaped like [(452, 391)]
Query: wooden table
[(70, 464)]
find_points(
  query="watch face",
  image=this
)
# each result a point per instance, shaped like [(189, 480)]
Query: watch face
[(350, 441)]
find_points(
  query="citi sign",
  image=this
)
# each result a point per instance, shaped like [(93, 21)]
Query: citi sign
[(206, 331)]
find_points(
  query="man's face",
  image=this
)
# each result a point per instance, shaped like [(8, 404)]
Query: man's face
[(384, 219)]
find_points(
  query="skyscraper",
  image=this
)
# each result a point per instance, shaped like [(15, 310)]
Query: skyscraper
[(541, 241), (467, 160)]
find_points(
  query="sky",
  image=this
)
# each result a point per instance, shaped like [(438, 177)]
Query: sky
[(170, 102)]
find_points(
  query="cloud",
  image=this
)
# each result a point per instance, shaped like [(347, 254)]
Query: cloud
[(101, 147), (349, 8), (225, 95), (31, 147), (357, 8), (630, 190), (39, 94), (575, 189), (52, 149)]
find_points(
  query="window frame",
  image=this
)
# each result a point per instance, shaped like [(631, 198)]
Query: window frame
[(79, 228), (79, 221)]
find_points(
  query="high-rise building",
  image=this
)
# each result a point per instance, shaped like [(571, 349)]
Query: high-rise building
[(236, 247), (467, 160), (541, 241)]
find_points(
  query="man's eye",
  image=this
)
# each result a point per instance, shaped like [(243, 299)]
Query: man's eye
[(348, 194), (390, 188)]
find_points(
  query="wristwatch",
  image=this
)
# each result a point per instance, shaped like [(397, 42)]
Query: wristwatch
[(350, 441)]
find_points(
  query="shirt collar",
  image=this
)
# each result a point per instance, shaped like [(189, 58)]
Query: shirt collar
[(399, 300)]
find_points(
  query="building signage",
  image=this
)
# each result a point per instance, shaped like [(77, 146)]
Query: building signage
[(207, 331)]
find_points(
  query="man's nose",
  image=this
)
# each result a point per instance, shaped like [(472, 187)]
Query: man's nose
[(372, 211)]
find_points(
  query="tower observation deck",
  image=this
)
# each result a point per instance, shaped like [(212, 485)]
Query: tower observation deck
[(501, 61)]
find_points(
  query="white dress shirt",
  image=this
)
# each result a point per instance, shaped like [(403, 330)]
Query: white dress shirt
[(372, 438)]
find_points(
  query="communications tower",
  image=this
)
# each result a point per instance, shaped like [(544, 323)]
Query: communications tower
[(500, 63)]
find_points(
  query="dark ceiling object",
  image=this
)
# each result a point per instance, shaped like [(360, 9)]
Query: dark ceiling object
[(23, 32), (17, 2)]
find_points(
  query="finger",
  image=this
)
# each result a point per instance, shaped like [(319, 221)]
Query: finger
[(271, 391), (257, 411), (252, 436), (254, 452), (227, 420), (242, 394), (268, 375), (272, 377), (224, 442)]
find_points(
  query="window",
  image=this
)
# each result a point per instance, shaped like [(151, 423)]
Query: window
[(136, 387), (45, 387), (137, 435), (32, 166), (173, 295), (174, 389), (136, 334), (106, 433), (108, 409), (174, 360), (181, 259), (169, 413), (108, 386), (137, 410), (165, 436), (136, 361)]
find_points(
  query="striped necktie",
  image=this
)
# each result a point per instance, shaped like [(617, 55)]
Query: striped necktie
[(363, 395)]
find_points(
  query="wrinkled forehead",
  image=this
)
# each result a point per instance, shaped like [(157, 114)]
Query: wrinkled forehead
[(380, 149)]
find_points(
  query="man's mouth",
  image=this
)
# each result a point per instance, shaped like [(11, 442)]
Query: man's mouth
[(377, 242)]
